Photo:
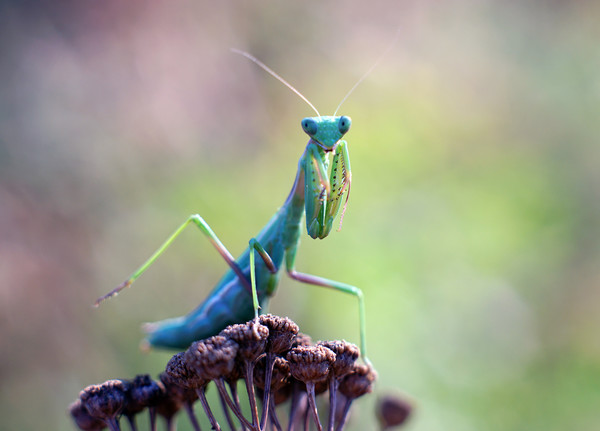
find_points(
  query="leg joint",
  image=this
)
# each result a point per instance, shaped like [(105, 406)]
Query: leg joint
[(197, 218)]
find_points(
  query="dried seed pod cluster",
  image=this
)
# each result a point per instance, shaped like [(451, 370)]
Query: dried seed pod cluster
[(276, 363)]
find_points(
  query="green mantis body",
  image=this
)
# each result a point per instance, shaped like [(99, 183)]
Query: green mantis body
[(317, 192)]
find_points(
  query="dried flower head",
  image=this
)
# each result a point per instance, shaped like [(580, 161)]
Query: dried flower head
[(83, 419), (251, 338), (141, 393), (212, 358), (146, 392), (358, 382), (105, 401), (392, 411), (182, 374), (346, 355), (282, 332), (310, 363)]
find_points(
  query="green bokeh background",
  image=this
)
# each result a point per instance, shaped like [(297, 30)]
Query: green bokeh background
[(472, 226)]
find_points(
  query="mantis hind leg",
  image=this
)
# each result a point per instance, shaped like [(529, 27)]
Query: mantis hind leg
[(205, 228), (341, 287)]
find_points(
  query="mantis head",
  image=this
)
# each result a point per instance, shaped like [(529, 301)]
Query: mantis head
[(326, 131)]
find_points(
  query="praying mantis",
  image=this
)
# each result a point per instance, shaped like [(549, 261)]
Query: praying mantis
[(317, 193)]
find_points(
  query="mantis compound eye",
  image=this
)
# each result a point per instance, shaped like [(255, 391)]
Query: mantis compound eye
[(344, 124), (309, 126)]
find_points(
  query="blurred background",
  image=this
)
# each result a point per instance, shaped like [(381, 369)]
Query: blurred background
[(472, 226)]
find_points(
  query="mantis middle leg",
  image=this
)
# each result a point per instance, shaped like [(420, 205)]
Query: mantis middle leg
[(255, 246)]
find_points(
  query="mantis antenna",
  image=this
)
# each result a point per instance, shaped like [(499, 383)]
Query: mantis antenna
[(362, 78), (275, 75)]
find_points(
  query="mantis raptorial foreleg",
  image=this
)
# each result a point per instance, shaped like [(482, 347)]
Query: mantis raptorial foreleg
[(205, 228), (316, 189), (340, 180)]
